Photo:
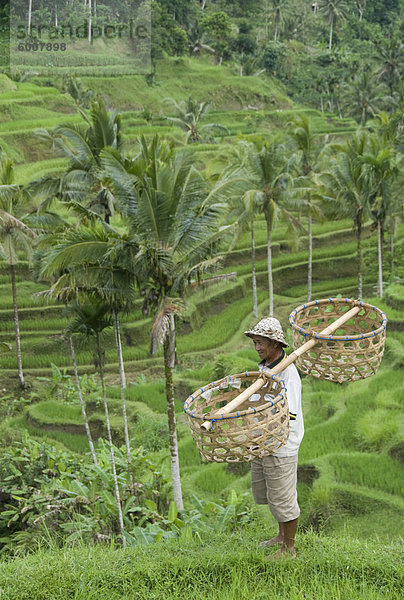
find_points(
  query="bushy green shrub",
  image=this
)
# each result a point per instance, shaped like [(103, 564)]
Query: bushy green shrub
[(151, 432)]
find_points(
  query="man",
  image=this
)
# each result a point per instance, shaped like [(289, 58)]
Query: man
[(274, 477)]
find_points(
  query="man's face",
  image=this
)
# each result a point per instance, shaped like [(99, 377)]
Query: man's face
[(268, 350)]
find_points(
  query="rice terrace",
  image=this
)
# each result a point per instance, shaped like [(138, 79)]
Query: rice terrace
[(195, 197)]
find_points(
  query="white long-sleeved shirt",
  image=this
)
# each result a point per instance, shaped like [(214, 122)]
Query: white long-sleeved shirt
[(293, 386)]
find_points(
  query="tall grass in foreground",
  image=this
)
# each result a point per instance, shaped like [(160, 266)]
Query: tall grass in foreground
[(219, 568)]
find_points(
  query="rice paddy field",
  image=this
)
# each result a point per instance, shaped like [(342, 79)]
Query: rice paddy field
[(351, 472), (351, 457)]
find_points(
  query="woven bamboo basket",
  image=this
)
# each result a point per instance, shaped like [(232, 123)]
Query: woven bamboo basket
[(352, 352), (258, 428)]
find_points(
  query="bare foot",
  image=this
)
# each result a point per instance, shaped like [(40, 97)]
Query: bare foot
[(281, 554), (272, 542)]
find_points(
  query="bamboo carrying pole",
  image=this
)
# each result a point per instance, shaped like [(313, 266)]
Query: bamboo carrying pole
[(236, 402)]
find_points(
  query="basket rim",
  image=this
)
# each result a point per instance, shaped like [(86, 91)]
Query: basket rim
[(234, 415), (338, 338)]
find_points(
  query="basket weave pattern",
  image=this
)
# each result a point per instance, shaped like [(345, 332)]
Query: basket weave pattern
[(353, 352), (259, 428)]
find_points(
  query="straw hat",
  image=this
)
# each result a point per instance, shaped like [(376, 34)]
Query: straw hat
[(269, 328)]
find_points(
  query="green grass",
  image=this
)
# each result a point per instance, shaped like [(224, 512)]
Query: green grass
[(213, 479), (373, 470), (152, 394), (221, 568), (25, 294), (54, 413), (77, 442), (218, 328)]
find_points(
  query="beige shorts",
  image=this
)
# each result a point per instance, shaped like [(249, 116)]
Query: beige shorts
[(273, 482)]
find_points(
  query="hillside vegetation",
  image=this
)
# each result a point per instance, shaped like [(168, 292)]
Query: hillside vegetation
[(66, 508)]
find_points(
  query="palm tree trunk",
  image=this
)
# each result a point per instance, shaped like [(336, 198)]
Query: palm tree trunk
[(380, 258), (122, 380), (111, 446), (83, 410), (169, 359), (310, 267), (29, 17), (359, 255), (391, 253), (254, 275), (331, 25), (89, 21), (17, 328), (270, 280)]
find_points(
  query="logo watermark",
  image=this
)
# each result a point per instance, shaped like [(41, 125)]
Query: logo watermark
[(80, 37)]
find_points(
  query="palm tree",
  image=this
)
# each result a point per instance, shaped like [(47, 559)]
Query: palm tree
[(197, 40), (268, 171), (81, 400), (174, 218), (190, 115), (309, 150), (15, 235), (277, 11), (389, 134), (361, 5), (346, 185), (89, 263), (332, 9), (83, 145), (364, 97), (391, 57), (91, 319), (245, 205), (381, 170)]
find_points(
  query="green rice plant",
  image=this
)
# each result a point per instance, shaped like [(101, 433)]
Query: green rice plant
[(5, 279), (52, 412), (394, 352), (364, 517), (373, 470), (28, 125), (152, 394), (335, 435), (394, 295), (318, 287), (75, 442), (219, 328), (376, 428), (213, 479), (26, 298), (188, 453), (35, 325)]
